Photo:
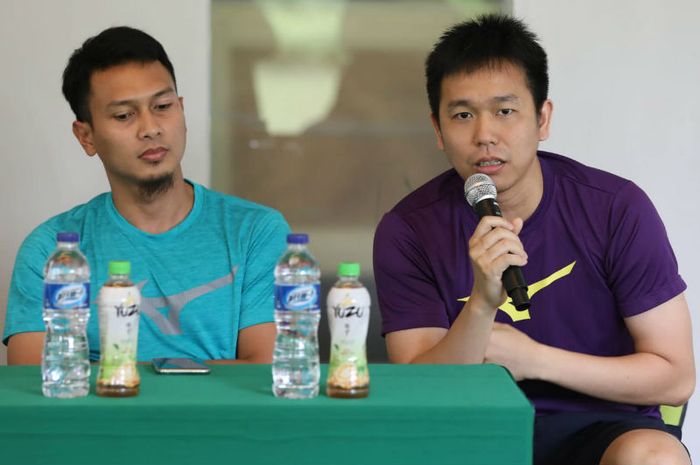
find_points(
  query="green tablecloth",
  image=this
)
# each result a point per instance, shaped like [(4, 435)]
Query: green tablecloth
[(415, 414)]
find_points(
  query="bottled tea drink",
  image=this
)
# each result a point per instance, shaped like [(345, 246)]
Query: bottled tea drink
[(119, 303), (348, 306)]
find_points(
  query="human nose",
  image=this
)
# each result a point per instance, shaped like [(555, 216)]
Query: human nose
[(485, 132), (149, 127)]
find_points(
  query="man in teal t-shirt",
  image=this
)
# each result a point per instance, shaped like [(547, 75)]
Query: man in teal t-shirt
[(203, 260)]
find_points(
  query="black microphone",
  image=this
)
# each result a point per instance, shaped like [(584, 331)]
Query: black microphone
[(480, 192)]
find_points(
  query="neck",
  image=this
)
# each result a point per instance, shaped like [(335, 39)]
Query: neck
[(521, 199), (154, 212)]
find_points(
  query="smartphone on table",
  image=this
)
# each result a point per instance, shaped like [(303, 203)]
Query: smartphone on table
[(180, 366)]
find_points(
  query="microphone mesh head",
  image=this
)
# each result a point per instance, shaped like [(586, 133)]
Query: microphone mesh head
[(478, 187)]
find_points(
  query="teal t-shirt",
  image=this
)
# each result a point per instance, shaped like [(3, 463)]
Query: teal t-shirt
[(201, 282)]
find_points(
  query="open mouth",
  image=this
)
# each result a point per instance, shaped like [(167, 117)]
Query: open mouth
[(489, 167), (489, 163)]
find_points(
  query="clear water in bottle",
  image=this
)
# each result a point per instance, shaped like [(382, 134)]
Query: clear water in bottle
[(65, 364), (295, 364)]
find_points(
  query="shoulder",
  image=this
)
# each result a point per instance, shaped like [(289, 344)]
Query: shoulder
[(249, 222), (239, 209), (592, 187), (428, 205), (42, 239), (574, 174), (421, 214), (441, 187)]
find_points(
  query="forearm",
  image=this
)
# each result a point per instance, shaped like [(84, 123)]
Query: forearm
[(25, 348), (639, 378), (466, 340)]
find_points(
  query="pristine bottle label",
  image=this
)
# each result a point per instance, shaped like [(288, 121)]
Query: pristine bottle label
[(297, 297), (348, 317), (119, 329), (65, 296)]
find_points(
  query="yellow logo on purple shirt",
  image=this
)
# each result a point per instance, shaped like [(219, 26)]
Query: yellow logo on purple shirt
[(532, 289)]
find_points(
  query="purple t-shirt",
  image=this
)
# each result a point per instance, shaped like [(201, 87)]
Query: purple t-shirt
[(597, 253)]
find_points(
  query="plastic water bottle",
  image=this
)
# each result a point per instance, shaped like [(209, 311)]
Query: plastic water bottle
[(348, 307), (119, 303), (65, 365), (295, 363)]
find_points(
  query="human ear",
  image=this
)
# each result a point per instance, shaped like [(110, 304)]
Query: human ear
[(438, 134), (83, 132), (545, 120)]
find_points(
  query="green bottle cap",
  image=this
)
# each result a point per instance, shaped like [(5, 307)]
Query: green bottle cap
[(349, 269), (119, 267)]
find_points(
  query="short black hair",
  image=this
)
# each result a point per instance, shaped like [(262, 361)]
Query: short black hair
[(487, 41), (111, 47)]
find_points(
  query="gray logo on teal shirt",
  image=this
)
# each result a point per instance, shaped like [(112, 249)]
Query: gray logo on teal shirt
[(170, 324)]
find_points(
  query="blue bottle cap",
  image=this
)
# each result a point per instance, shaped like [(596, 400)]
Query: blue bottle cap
[(297, 238), (67, 237)]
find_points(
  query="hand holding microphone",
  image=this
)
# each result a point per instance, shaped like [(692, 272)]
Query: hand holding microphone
[(480, 192)]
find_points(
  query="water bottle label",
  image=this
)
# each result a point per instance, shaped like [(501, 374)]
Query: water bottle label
[(297, 297), (65, 296)]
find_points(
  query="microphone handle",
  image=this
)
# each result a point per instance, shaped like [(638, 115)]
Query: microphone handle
[(512, 277)]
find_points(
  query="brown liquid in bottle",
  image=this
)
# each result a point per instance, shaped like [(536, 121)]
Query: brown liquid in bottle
[(117, 391), (352, 393)]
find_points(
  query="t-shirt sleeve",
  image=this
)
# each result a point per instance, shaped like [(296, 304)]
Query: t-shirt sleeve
[(641, 267), (406, 287), (25, 297), (268, 240)]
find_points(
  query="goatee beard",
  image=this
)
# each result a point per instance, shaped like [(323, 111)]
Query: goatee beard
[(152, 188)]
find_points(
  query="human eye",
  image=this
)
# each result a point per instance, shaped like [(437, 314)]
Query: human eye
[(462, 115), (124, 116), (505, 111), (163, 106)]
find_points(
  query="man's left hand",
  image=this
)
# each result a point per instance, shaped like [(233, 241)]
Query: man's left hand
[(514, 350)]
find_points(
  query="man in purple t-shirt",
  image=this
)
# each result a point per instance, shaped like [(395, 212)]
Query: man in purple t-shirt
[(607, 337)]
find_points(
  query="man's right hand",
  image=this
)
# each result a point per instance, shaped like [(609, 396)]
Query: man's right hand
[(493, 247)]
